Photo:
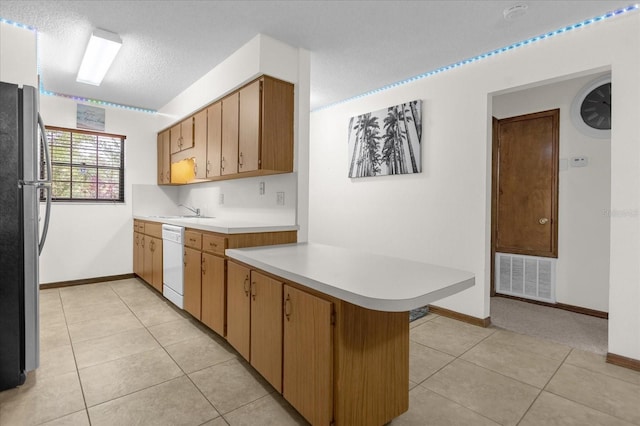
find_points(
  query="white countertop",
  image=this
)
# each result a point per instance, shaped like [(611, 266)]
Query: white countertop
[(372, 281), (223, 226)]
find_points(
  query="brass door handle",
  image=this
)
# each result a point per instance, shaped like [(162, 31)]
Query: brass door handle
[(543, 221)]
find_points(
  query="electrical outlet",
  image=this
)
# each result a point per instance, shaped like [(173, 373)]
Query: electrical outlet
[(261, 186), (221, 199), (280, 198)]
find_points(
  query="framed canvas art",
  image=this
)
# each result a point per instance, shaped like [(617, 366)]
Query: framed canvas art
[(386, 142)]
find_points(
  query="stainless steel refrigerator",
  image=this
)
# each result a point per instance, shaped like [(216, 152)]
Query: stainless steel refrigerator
[(25, 173)]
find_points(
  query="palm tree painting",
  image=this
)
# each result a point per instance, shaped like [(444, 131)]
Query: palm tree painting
[(386, 142)]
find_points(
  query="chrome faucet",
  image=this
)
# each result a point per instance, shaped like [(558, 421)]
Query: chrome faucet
[(195, 210)]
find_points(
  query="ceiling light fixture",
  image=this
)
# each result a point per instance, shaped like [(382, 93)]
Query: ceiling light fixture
[(515, 11), (101, 51)]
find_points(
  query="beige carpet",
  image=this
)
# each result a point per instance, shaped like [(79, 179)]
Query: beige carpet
[(576, 330)]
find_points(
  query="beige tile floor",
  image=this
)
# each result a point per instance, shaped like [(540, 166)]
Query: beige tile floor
[(118, 354)]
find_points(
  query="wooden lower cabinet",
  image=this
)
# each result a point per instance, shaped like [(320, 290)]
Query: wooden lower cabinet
[(192, 281), (239, 308), (213, 292), (147, 253), (266, 328), (308, 355)]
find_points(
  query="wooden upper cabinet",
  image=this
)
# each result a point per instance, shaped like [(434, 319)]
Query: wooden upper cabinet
[(182, 135), (249, 132), (200, 144), (164, 157), (214, 139), (229, 160), (276, 125), (265, 139)]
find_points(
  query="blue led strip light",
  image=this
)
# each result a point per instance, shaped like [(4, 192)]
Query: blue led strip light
[(488, 54), (45, 92), (96, 101)]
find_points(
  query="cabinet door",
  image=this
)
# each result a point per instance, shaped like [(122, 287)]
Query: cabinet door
[(238, 308), (192, 283), (308, 355), (147, 262), (186, 129), (176, 138), (200, 144), (276, 138), (213, 293), (266, 328), (156, 263), (229, 160), (249, 133), (164, 157), (214, 139), (138, 254)]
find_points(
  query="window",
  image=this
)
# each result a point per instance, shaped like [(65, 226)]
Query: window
[(86, 166)]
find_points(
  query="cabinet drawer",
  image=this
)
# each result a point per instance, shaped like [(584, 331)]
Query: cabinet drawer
[(214, 244), (153, 229), (193, 239), (138, 226)]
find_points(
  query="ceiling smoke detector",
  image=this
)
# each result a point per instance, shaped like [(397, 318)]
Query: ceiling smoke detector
[(515, 11)]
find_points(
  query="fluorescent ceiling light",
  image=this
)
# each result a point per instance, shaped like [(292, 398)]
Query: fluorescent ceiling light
[(101, 51)]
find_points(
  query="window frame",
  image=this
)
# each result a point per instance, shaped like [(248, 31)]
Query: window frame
[(70, 164)]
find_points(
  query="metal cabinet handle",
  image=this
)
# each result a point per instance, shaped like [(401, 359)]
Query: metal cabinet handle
[(142, 241), (287, 307), (222, 161), (185, 258), (204, 269), (240, 162), (543, 221), (253, 290), (246, 285), (208, 166), (212, 244), (195, 167)]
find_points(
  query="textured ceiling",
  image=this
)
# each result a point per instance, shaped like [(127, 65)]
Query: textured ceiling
[(356, 46)]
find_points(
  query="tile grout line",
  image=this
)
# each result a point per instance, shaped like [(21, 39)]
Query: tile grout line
[(75, 360)]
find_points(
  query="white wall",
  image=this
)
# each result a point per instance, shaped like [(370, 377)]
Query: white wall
[(18, 55), (261, 55), (94, 240), (584, 196), (443, 214)]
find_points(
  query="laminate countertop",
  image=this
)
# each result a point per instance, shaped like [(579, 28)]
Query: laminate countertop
[(371, 281), (222, 226)]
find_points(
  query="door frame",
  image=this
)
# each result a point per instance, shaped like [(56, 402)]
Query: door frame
[(495, 162)]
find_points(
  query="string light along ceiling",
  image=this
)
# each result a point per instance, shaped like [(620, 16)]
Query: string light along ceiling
[(550, 34)]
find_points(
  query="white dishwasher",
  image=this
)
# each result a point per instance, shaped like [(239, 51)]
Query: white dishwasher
[(173, 264)]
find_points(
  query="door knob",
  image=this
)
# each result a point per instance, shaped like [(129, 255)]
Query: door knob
[(543, 221)]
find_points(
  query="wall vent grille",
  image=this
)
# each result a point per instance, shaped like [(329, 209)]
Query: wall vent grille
[(526, 276)]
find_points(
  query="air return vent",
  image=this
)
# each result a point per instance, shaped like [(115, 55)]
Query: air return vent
[(526, 276)]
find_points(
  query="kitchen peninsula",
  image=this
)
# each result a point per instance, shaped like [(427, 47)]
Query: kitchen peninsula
[(342, 326)]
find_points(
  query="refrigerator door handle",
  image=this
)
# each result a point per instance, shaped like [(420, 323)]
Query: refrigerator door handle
[(46, 184)]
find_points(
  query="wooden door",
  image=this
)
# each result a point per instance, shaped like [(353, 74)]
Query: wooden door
[(249, 133), (238, 308), (526, 173), (276, 125), (138, 254), (176, 138), (266, 328), (186, 129), (147, 259), (192, 284), (214, 139), (156, 263), (229, 160), (213, 292), (200, 144), (308, 355)]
